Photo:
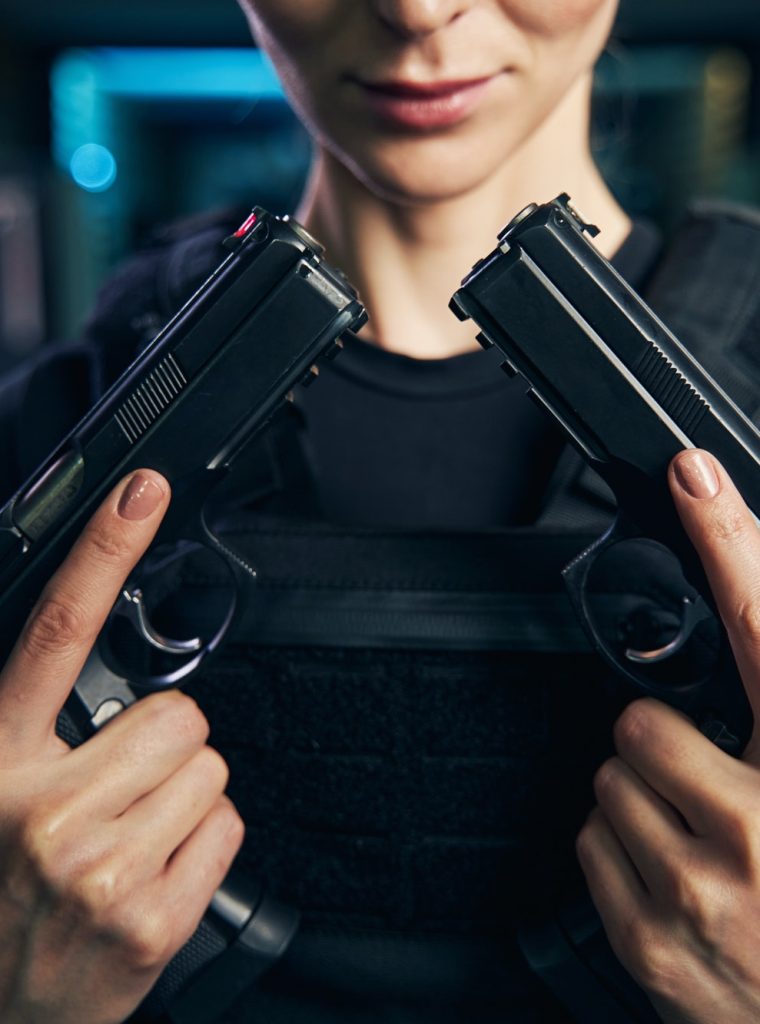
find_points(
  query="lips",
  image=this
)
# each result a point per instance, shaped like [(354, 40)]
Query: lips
[(424, 106)]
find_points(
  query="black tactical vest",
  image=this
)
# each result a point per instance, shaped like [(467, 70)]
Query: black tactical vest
[(412, 720)]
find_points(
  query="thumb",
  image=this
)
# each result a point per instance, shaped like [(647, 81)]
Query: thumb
[(725, 534)]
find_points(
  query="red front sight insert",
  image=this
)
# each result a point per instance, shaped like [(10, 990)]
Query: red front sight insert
[(236, 239)]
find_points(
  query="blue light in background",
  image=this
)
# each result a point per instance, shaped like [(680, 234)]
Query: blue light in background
[(87, 85), (93, 167), (211, 73)]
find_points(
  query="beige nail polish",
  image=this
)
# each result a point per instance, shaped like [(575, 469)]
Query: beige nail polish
[(696, 474), (140, 498)]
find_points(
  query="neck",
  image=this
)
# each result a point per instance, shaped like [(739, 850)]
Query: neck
[(407, 259)]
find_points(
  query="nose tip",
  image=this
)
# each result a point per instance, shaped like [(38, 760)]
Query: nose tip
[(413, 18)]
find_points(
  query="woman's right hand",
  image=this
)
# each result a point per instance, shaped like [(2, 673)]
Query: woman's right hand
[(109, 853)]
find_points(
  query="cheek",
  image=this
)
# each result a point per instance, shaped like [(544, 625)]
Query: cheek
[(293, 22), (557, 17), (302, 38)]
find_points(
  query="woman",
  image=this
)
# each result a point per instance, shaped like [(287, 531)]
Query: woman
[(434, 122)]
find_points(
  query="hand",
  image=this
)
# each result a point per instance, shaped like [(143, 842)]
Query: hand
[(671, 853), (110, 853)]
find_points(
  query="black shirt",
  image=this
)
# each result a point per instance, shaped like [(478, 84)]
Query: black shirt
[(436, 443)]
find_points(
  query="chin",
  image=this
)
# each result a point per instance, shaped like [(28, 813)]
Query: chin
[(420, 171)]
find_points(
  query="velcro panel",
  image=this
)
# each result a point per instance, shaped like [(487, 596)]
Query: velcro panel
[(403, 789)]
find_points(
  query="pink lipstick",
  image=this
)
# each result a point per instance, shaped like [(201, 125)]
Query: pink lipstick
[(424, 106)]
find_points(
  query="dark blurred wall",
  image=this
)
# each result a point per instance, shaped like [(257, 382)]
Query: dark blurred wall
[(677, 115)]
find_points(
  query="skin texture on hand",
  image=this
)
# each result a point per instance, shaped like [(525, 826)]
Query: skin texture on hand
[(110, 853), (671, 853)]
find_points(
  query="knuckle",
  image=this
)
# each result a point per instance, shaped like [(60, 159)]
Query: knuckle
[(748, 619), (702, 901), (40, 838), (687, 893), (586, 840), (109, 545), (634, 724), (56, 626), (730, 524), (742, 831), (102, 896), (230, 832), (213, 767), (636, 942), (650, 958), (146, 940), (607, 780), (175, 710), (69, 867), (235, 828), (96, 891)]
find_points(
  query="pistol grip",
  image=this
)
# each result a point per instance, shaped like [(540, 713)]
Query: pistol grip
[(570, 953), (245, 929)]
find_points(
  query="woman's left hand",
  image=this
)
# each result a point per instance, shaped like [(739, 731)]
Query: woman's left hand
[(671, 853)]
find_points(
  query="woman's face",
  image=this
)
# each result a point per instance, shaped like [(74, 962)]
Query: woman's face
[(423, 99)]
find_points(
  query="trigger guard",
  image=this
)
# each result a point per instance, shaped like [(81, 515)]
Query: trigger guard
[(195, 651), (131, 606), (650, 671)]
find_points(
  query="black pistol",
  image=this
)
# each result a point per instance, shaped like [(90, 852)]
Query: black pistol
[(629, 396), (189, 407)]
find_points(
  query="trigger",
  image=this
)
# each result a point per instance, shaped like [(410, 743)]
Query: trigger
[(131, 606), (693, 612)]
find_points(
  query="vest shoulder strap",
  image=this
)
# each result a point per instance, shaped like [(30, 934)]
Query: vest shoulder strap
[(706, 288)]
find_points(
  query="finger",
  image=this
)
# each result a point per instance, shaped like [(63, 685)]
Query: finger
[(147, 925), (135, 753), (649, 829), (618, 892), (725, 534), (681, 765), (198, 867), (62, 628), (162, 820)]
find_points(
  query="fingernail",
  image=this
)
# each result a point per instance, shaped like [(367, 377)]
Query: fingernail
[(696, 474), (141, 496)]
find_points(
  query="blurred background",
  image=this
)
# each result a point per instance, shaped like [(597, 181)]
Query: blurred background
[(118, 117)]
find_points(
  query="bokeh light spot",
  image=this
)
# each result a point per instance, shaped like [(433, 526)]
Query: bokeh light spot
[(93, 167)]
